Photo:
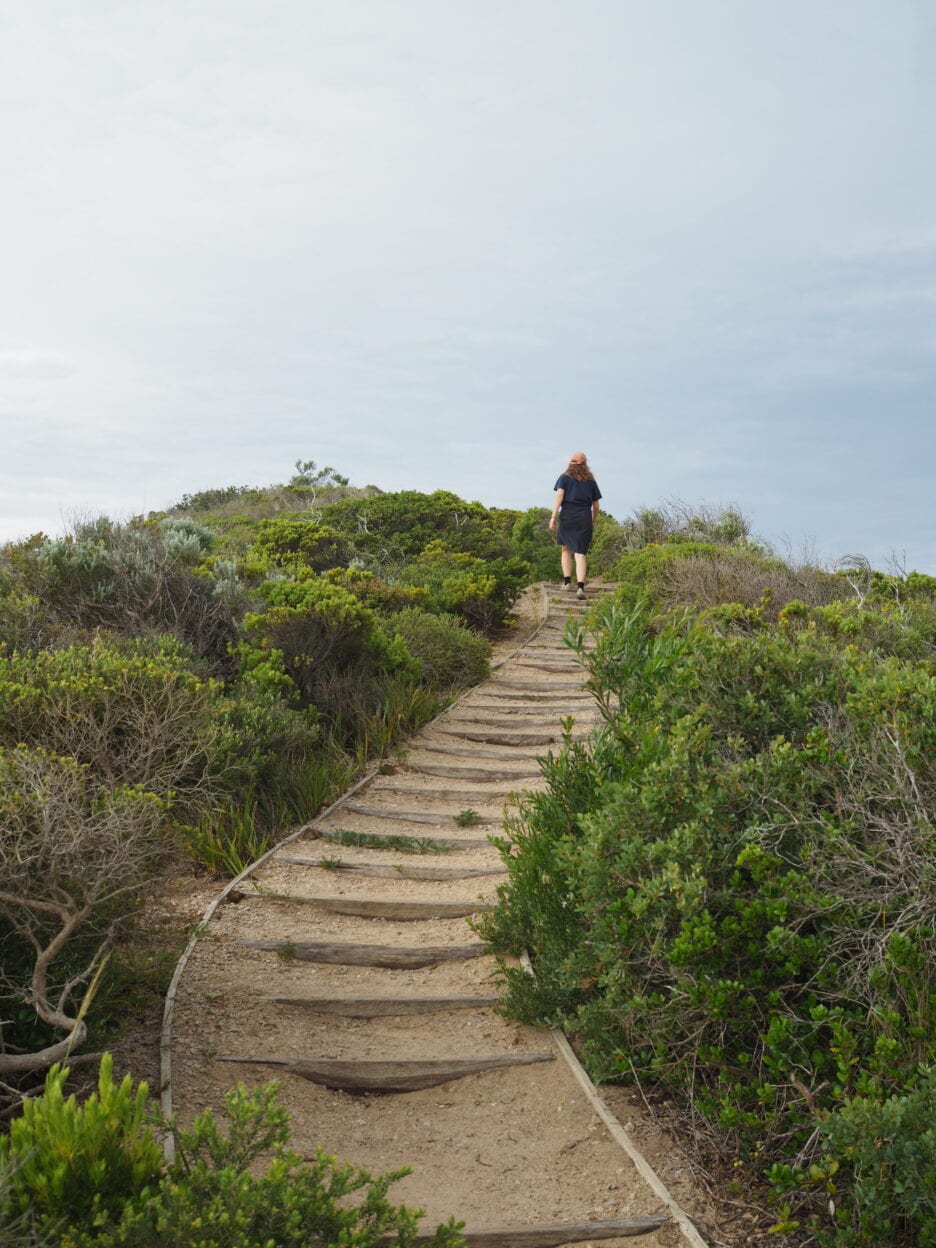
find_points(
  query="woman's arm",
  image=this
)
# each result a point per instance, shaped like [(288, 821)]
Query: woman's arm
[(595, 510), (557, 503)]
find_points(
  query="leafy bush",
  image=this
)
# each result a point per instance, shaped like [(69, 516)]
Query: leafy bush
[(295, 544), (381, 596), (731, 890), (73, 855), (25, 626), (480, 591), (700, 574), (449, 654), (332, 647), (133, 711), (80, 1164), (532, 541), (392, 529), (93, 1174)]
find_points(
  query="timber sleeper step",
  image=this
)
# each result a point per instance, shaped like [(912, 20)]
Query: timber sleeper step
[(444, 794), (384, 1007), (440, 818), (551, 1234), (536, 686), (404, 909), (543, 665), (506, 698), (369, 840), (497, 736), (474, 773), (463, 752), (391, 957), (402, 1076), (400, 871), (516, 717)]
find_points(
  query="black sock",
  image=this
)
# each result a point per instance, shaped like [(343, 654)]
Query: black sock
[(567, 580), (581, 584)]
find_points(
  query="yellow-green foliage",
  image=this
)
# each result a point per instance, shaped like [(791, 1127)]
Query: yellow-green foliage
[(297, 543), (481, 591), (392, 529), (93, 1176), (134, 712), (374, 592), (71, 1162)]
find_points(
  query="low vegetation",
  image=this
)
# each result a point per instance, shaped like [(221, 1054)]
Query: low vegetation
[(92, 1175), (200, 680), (729, 893)]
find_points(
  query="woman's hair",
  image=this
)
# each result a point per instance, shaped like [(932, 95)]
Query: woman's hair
[(580, 472)]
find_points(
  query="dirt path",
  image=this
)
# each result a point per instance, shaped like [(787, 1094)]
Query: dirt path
[(518, 1142)]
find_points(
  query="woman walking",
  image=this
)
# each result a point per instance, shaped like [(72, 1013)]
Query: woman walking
[(576, 506)]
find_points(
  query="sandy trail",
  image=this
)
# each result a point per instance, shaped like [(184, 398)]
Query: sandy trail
[(510, 1145)]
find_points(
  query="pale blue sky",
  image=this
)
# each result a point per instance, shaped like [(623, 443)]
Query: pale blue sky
[(442, 244)]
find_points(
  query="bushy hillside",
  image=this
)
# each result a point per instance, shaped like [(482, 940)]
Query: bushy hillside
[(199, 680)]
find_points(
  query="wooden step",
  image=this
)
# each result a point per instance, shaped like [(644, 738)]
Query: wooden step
[(497, 736), (446, 842), (544, 665), (460, 751), (473, 773), (444, 794), (537, 686), (384, 1007), (439, 818), (514, 717), (402, 1076), (550, 1234), (392, 957), (390, 871), (404, 909), (505, 696)]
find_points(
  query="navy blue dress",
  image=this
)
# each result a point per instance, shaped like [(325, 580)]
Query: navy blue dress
[(575, 513)]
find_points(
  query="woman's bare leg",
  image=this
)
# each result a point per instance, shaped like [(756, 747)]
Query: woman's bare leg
[(581, 564), (566, 561)]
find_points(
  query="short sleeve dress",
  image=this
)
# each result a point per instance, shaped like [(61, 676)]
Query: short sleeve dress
[(575, 514)]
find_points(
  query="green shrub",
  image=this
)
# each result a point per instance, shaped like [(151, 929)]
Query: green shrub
[(381, 596), (134, 711), (136, 579), (93, 1174), (72, 1163), (449, 654), (297, 543), (25, 623), (392, 529), (885, 1150), (730, 891), (331, 646), (532, 541), (480, 591)]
